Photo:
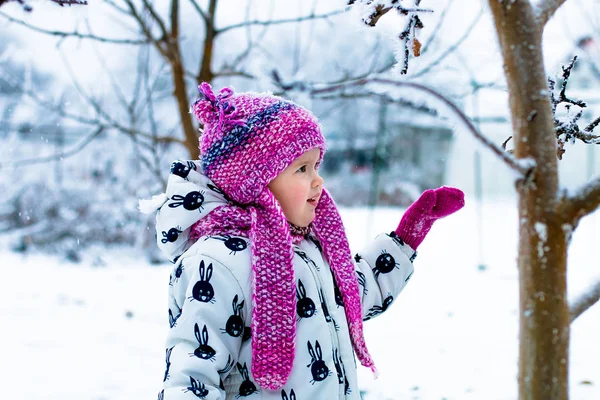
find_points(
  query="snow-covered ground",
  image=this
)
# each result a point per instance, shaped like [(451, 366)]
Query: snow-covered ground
[(96, 332)]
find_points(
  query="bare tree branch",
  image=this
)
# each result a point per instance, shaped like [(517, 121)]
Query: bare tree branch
[(200, 11), (450, 49), (585, 301), (63, 154), (585, 201), (28, 8), (117, 7), (205, 73), (59, 110), (146, 29), (278, 22), (175, 20), (523, 169), (592, 125), (437, 27), (74, 34), (545, 10), (157, 18)]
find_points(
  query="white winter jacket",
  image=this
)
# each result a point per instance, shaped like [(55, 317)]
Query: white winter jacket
[(208, 351)]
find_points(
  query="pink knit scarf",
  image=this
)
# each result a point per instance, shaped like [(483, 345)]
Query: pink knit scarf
[(273, 282)]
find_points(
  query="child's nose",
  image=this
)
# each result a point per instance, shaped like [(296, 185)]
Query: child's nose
[(318, 181)]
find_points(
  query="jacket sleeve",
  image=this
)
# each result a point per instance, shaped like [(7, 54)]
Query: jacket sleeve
[(206, 315), (383, 269)]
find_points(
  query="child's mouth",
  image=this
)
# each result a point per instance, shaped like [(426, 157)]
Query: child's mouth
[(313, 200)]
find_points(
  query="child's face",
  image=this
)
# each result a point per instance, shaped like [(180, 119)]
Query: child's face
[(298, 188)]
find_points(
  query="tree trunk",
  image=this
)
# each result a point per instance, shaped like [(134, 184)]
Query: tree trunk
[(191, 135), (544, 312)]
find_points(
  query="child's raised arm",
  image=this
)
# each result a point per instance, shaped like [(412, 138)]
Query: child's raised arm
[(385, 266)]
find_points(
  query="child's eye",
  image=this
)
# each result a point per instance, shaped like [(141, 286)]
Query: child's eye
[(302, 169)]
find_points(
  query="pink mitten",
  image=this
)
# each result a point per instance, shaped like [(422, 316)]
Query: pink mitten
[(431, 206)]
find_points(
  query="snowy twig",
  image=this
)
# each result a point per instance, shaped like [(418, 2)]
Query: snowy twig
[(450, 49), (585, 201), (585, 301), (278, 22), (525, 169), (377, 9), (592, 125), (146, 29), (61, 3), (200, 11), (74, 34), (567, 128), (545, 10)]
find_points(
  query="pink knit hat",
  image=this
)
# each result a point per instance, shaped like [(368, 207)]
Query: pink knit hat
[(248, 139)]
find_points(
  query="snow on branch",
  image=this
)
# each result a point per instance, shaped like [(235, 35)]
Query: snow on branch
[(585, 201), (372, 10), (585, 301), (545, 9), (567, 128)]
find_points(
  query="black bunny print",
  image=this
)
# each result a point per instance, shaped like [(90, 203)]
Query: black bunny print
[(376, 310), (225, 370), (247, 334), (197, 388), (284, 395), (328, 316), (336, 290), (362, 281), (305, 307), (316, 243), (161, 395), (204, 351), (357, 257), (384, 264), (168, 360), (318, 368), (191, 201), (247, 388), (235, 324), (203, 291), (341, 372), (228, 366), (171, 236), (183, 170), (174, 317), (234, 244), (396, 238), (219, 191), (178, 272), (307, 259)]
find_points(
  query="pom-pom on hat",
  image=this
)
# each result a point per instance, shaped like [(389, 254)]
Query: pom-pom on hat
[(247, 140)]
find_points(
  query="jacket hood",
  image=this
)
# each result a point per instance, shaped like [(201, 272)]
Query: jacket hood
[(189, 197)]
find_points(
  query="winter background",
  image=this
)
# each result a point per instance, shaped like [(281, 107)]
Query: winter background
[(83, 292)]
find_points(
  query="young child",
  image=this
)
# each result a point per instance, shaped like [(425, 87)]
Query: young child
[(265, 298)]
